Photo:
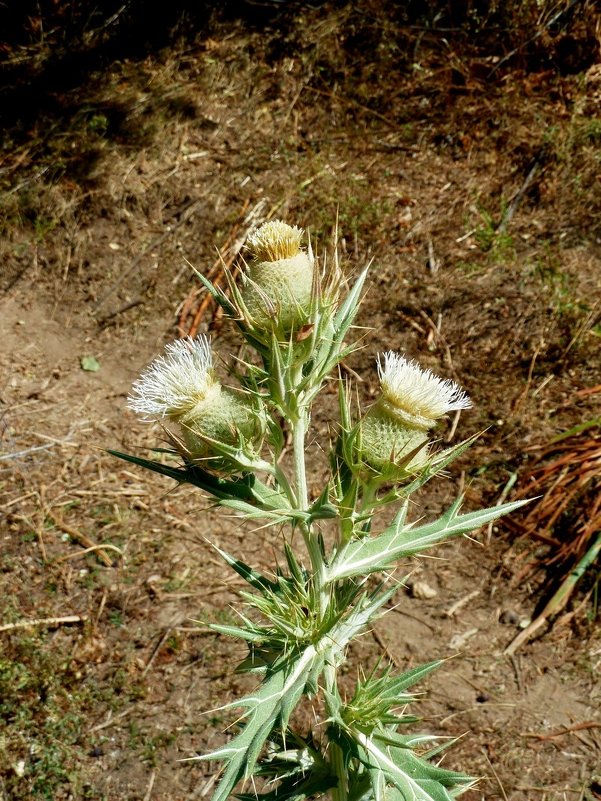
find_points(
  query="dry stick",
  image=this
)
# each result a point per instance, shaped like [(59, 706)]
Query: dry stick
[(589, 322), (186, 212), (383, 645), (126, 307), (559, 599), (517, 199), (518, 673), (17, 455), (20, 499), (347, 101), (504, 493), (148, 793), (555, 18), (208, 298), (496, 775), (517, 403), (587, 724), (449, 437), (441, 340), (455, 607), (44, 621), (156, 649), (82, 538), (91, 549), (112, 720), (215, 275), (588, 391)]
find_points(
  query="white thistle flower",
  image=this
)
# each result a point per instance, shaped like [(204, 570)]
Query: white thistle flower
[(416, 394), (394, 438), (176, 383), (275, 240)]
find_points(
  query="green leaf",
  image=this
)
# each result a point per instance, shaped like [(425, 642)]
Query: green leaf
[(348, 627), (298, 766), (285, 682), (347, 311), (271, 705), (369, 555), (237, 631), (395, 762), (331, 349), (296, 571), (90, 364), (246, 495), (398, 684), (249, 574), (295, 787), (437, 463), (218, 296)]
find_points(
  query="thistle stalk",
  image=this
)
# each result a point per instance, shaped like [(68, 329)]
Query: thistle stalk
[(335, 753), (229, 441), (299, 432)]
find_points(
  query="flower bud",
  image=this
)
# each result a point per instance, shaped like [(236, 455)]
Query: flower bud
[(183, 387), (386, 443), (411, 402), (279, 284)]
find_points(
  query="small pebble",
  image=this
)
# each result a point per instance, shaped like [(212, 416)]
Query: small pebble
[(422, 590), (482, 698)]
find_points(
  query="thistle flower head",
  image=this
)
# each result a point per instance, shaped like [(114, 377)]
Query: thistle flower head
[(278, 288), (413, 391), (174, 384), (275, 240)]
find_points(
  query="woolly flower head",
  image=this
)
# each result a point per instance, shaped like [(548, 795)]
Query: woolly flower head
[(275, 240), (174, 384), (417, 392)]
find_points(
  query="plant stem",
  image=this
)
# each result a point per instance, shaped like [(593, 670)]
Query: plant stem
[(299, 431), (336, 757)]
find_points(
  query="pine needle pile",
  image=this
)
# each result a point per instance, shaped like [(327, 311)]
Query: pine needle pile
[(566, 517)]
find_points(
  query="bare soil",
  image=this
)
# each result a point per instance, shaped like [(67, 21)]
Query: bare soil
[(471, 182)]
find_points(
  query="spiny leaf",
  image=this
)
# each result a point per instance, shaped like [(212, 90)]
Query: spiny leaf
[(217, 295), (218, 487), (249, 574), (296, 788), (237, 631), (369, 555), (271, 705), (413, 777), (347, 311), (246, 495)]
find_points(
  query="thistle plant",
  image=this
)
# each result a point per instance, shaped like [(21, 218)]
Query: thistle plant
[(245, 446)]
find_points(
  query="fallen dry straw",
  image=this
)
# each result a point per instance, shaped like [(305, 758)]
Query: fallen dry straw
[(567, 475), (567, 517)]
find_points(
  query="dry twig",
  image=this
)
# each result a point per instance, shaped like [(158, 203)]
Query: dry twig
[(48, 622)]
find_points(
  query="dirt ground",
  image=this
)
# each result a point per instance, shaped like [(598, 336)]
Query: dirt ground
[(471, 181)]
